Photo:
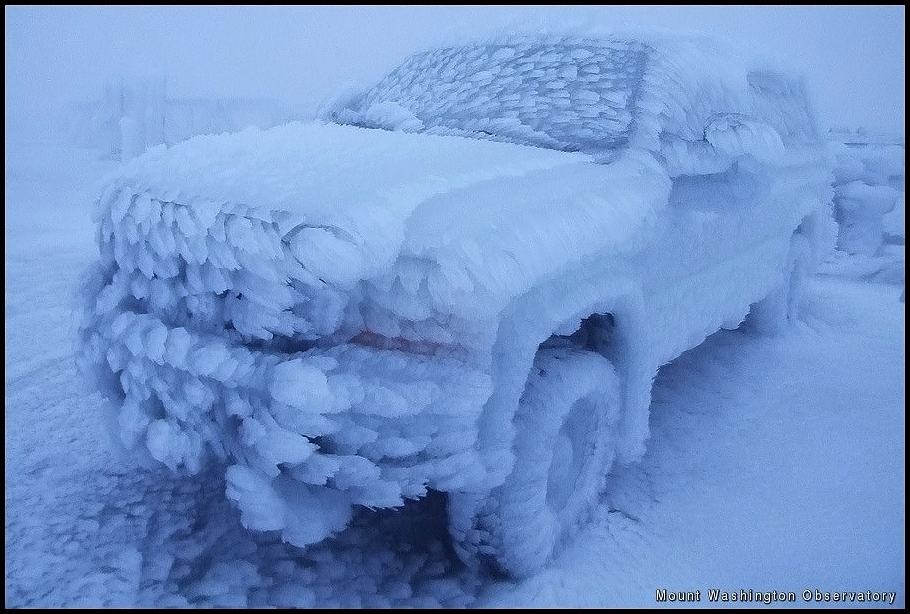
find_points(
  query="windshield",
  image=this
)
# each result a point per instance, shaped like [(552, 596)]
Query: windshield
[(571, 96)]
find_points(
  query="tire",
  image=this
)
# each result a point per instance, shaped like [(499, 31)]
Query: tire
[(563, 449), (775, 313)]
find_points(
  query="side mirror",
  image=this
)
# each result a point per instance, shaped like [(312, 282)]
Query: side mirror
[(734, 134)]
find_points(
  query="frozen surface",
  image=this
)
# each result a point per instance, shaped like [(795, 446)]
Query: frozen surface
[(750, 467), (773, 462)]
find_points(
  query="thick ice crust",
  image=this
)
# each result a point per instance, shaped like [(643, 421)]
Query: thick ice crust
[(597, 95), (346, 316)]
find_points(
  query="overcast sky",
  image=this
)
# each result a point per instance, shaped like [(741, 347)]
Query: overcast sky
[(852, 56)]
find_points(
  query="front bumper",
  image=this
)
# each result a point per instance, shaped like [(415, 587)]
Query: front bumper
[(306, 425)]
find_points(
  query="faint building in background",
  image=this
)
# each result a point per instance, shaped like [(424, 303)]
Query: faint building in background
[(869, 186), (869, 194), (135, 114)]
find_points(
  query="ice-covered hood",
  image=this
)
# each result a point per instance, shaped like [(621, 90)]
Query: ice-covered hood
[(332, 185), (313, 233), (352, 202)]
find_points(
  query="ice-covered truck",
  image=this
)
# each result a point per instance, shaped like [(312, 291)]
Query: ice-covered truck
[(463, 279)]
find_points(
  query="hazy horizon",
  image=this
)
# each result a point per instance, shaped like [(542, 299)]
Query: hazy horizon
[(853, 57)]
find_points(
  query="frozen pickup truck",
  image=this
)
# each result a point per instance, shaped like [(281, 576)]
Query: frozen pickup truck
[(461, 279)]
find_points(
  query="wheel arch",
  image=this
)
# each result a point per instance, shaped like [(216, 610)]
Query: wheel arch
[(559, 308)]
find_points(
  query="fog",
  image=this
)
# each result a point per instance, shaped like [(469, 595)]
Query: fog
[(853, 56), (254, 363)]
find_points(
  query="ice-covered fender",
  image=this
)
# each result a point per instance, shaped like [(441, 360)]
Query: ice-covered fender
[(601, 282), (557, 308)]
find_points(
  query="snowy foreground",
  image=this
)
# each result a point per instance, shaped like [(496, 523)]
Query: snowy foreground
[(774, 464)]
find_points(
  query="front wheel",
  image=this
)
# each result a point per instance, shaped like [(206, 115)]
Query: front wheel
[(563, 449)]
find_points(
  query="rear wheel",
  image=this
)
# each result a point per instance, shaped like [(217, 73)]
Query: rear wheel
[(563, 449), (774, 313)]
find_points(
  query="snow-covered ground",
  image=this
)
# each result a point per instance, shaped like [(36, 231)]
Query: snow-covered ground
[(773, 464)]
